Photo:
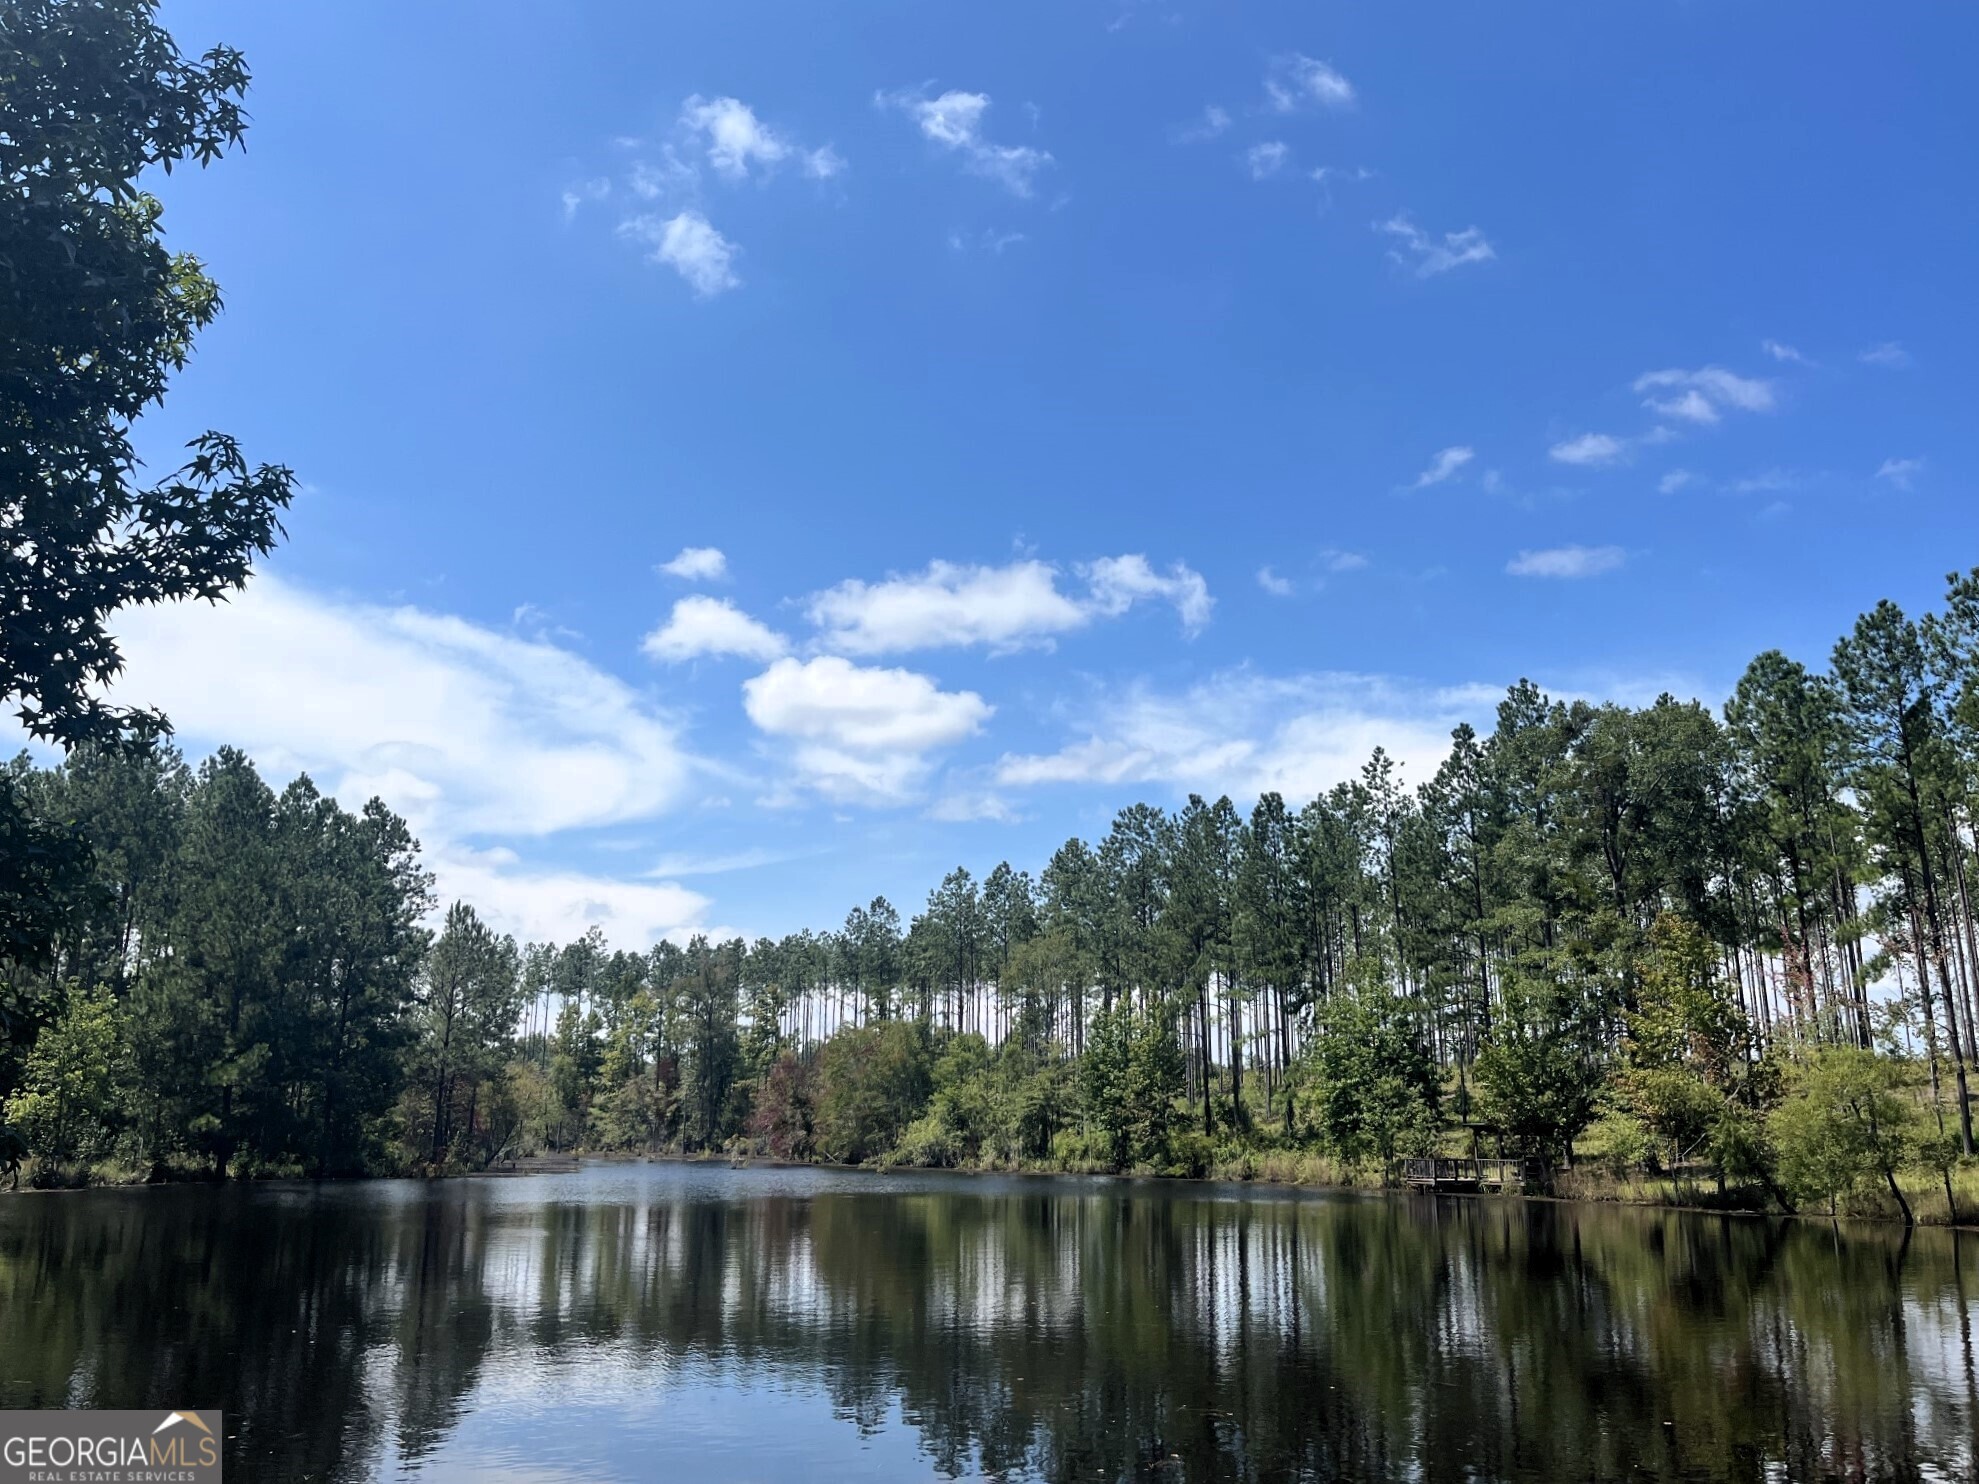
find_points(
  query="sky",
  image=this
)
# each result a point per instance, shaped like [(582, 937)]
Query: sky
[(756, 457)]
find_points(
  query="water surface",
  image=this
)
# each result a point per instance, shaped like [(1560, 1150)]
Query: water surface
[(667, 1321)]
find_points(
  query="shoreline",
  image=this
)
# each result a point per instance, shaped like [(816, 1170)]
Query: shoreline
[(571, 1164)]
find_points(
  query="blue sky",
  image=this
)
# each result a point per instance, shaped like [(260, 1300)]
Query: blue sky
[(1087, 403)]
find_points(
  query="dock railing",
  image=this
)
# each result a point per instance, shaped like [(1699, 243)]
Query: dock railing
[(1470, 1174)]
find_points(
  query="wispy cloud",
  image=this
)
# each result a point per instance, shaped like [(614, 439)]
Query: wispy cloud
[(1673, 481), (488, 733), (972, 806), (1004, 609), (1215, 121), (1566, 561), (486, 741), (1589, 450), (954, 121), (689, 244), (1119, 582), (737, 141), (988, 240), (579, 193), (1330, 560), (1426, 255), (683, 864), (735, 138), (663, 185), (1704, 395), (1765, 482), (1265, 160), (1242, 733), (1446, 465), (1784, 353), (1297, 81), (1889, 355), (1900, 472)]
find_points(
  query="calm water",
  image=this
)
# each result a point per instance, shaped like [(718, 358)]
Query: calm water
[(708, 1324)]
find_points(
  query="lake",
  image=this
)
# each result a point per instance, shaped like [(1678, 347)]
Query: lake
[(677, 1321)]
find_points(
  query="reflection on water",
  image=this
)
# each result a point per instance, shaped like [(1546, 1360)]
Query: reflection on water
[(653, 1321)]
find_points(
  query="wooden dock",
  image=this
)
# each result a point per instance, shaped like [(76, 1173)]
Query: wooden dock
[(535, 1164), (1467, 1174)]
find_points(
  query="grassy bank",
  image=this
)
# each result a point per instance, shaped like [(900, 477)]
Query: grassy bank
[(1298, 1168)]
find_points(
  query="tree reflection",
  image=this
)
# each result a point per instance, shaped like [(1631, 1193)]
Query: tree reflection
[(1056, 1331)]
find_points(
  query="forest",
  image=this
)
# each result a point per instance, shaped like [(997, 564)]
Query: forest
[(1734, 952)]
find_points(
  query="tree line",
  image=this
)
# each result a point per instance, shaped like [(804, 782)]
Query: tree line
[(1738, 943)]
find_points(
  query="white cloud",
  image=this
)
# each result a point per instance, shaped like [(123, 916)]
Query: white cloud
[(689, 245), (1690, 405), (972, 807), (668, 175), (1006, 608), (1267, 159), (1673, 481), (949, 604), (461, 728), (862, 708), (1701, 396), (1589, 450), (1242, 734), (697, 564), (1444, 466), (1424, 255), (860, 732), (1889, 355), (686, 863), (1784, 353), (1567, 561), (472, 734), (823, 163), (734, 136), (1118, 582), (954, 120), (1298, 81), (736, 140), (1900, 472), (703, 626), (1330, 559), (555, 905), (579, 192)]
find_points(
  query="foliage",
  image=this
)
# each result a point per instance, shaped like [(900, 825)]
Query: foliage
[(1371, 1087), (73, 1097), (97, 315), (874, 1081), (785, 1114), (1538, 1078), (1129, 1080), (463, 1023), (1846, 1121)]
